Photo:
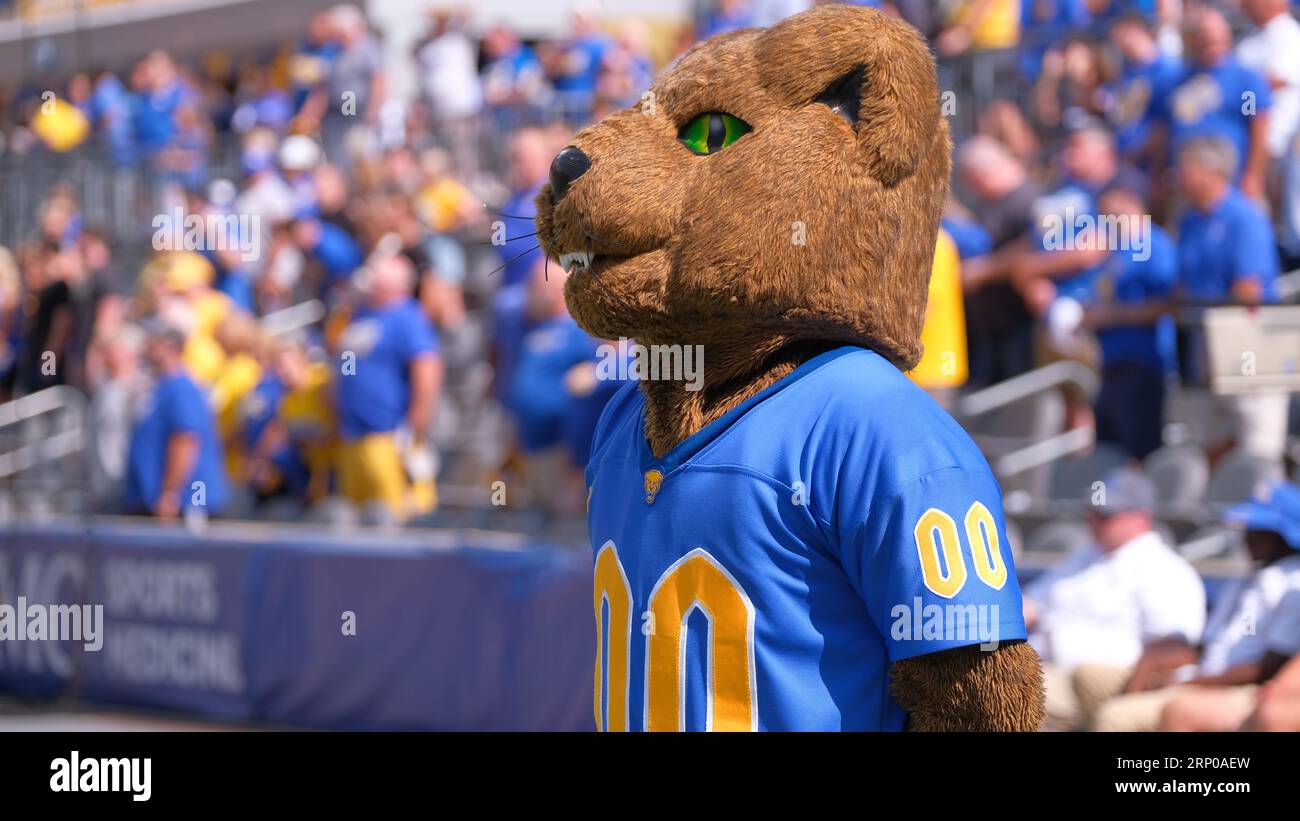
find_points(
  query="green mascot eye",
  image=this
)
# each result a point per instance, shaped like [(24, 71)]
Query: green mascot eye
[(710, 133)]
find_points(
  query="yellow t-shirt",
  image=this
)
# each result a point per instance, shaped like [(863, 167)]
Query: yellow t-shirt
[(211, 308), (441, 203), (943, 365), (204, 358), (60, 125), (308, 414), (998, 27)]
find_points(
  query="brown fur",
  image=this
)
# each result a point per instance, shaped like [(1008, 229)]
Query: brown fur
[(701, 250), (970, 689)]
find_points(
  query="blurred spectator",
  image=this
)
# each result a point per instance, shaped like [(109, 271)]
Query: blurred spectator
[(626, 72), (293, 452), (174, 462), (391, 377), (1129, 313), (11, 329), (160, 93), (265, 194), (325, 243), (1273, 50), (1226, 254), (540, 397), (356, 87), (54, 350), (1091, 615), (574, 64), (724, 16), (1250, 632), (1220, 97), (998, 325), (120, 392), (513, 81), (311, 64), (530, 164), (1146, 77), (451, 83), (980, 35)]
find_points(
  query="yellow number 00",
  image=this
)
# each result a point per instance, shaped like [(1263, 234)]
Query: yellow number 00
[(695, 581), (936, 536)]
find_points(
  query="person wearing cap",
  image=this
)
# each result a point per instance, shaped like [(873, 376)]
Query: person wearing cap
[(1274, 515), (179, 283), (1094, 614), (1253, 629), (174, 461)]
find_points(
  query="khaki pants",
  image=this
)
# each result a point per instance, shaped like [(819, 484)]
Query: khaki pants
[(1073, 695), (1141, 712)]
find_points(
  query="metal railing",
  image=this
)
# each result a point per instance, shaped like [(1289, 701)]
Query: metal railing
[(28, 446), (1037, 382)]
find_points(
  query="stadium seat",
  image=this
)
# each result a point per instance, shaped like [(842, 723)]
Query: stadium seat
[(1181, 474), (1059, 537), (1213, 542), (1073, 476), (1237, 475)]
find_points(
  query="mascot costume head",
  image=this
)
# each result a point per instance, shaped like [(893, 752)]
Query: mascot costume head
[(774, 196)]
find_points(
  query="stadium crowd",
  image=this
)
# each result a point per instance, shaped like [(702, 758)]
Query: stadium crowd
[(1175, 123)]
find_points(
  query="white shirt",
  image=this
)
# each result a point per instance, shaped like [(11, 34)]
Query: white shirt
[(451, 78), (1104, 608), (1258, 613), (1274, 51)]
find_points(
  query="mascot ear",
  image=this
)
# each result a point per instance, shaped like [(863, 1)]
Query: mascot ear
[(873, 70)]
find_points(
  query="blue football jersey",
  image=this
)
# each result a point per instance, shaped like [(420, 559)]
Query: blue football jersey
[(765, 573)]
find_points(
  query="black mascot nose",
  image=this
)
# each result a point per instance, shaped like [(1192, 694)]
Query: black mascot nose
[(567, 166)]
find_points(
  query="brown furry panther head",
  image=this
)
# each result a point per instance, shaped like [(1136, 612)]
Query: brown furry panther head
[(775, 185)]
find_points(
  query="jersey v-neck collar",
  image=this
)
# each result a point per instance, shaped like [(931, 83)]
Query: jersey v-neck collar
[(698, 441)]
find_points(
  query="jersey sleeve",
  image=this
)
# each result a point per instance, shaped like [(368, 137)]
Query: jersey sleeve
[(934, 566)]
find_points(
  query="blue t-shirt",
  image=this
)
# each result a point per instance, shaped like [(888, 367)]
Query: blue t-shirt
[(794, 548), (1046, 24), (1136, 97), (510, 325), (177, 406), (583, 58), (1218, 248), (338, 252), (375, 393), (1217, 102), (538, 397), (155, 115), (1124, 279), (1059, 218), (520, 252), (971, 238)]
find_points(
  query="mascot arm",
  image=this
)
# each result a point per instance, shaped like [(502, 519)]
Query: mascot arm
[(972, 689)]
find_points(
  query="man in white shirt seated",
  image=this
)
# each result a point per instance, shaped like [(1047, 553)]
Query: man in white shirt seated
[(1251, 633), (1092, 616)]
